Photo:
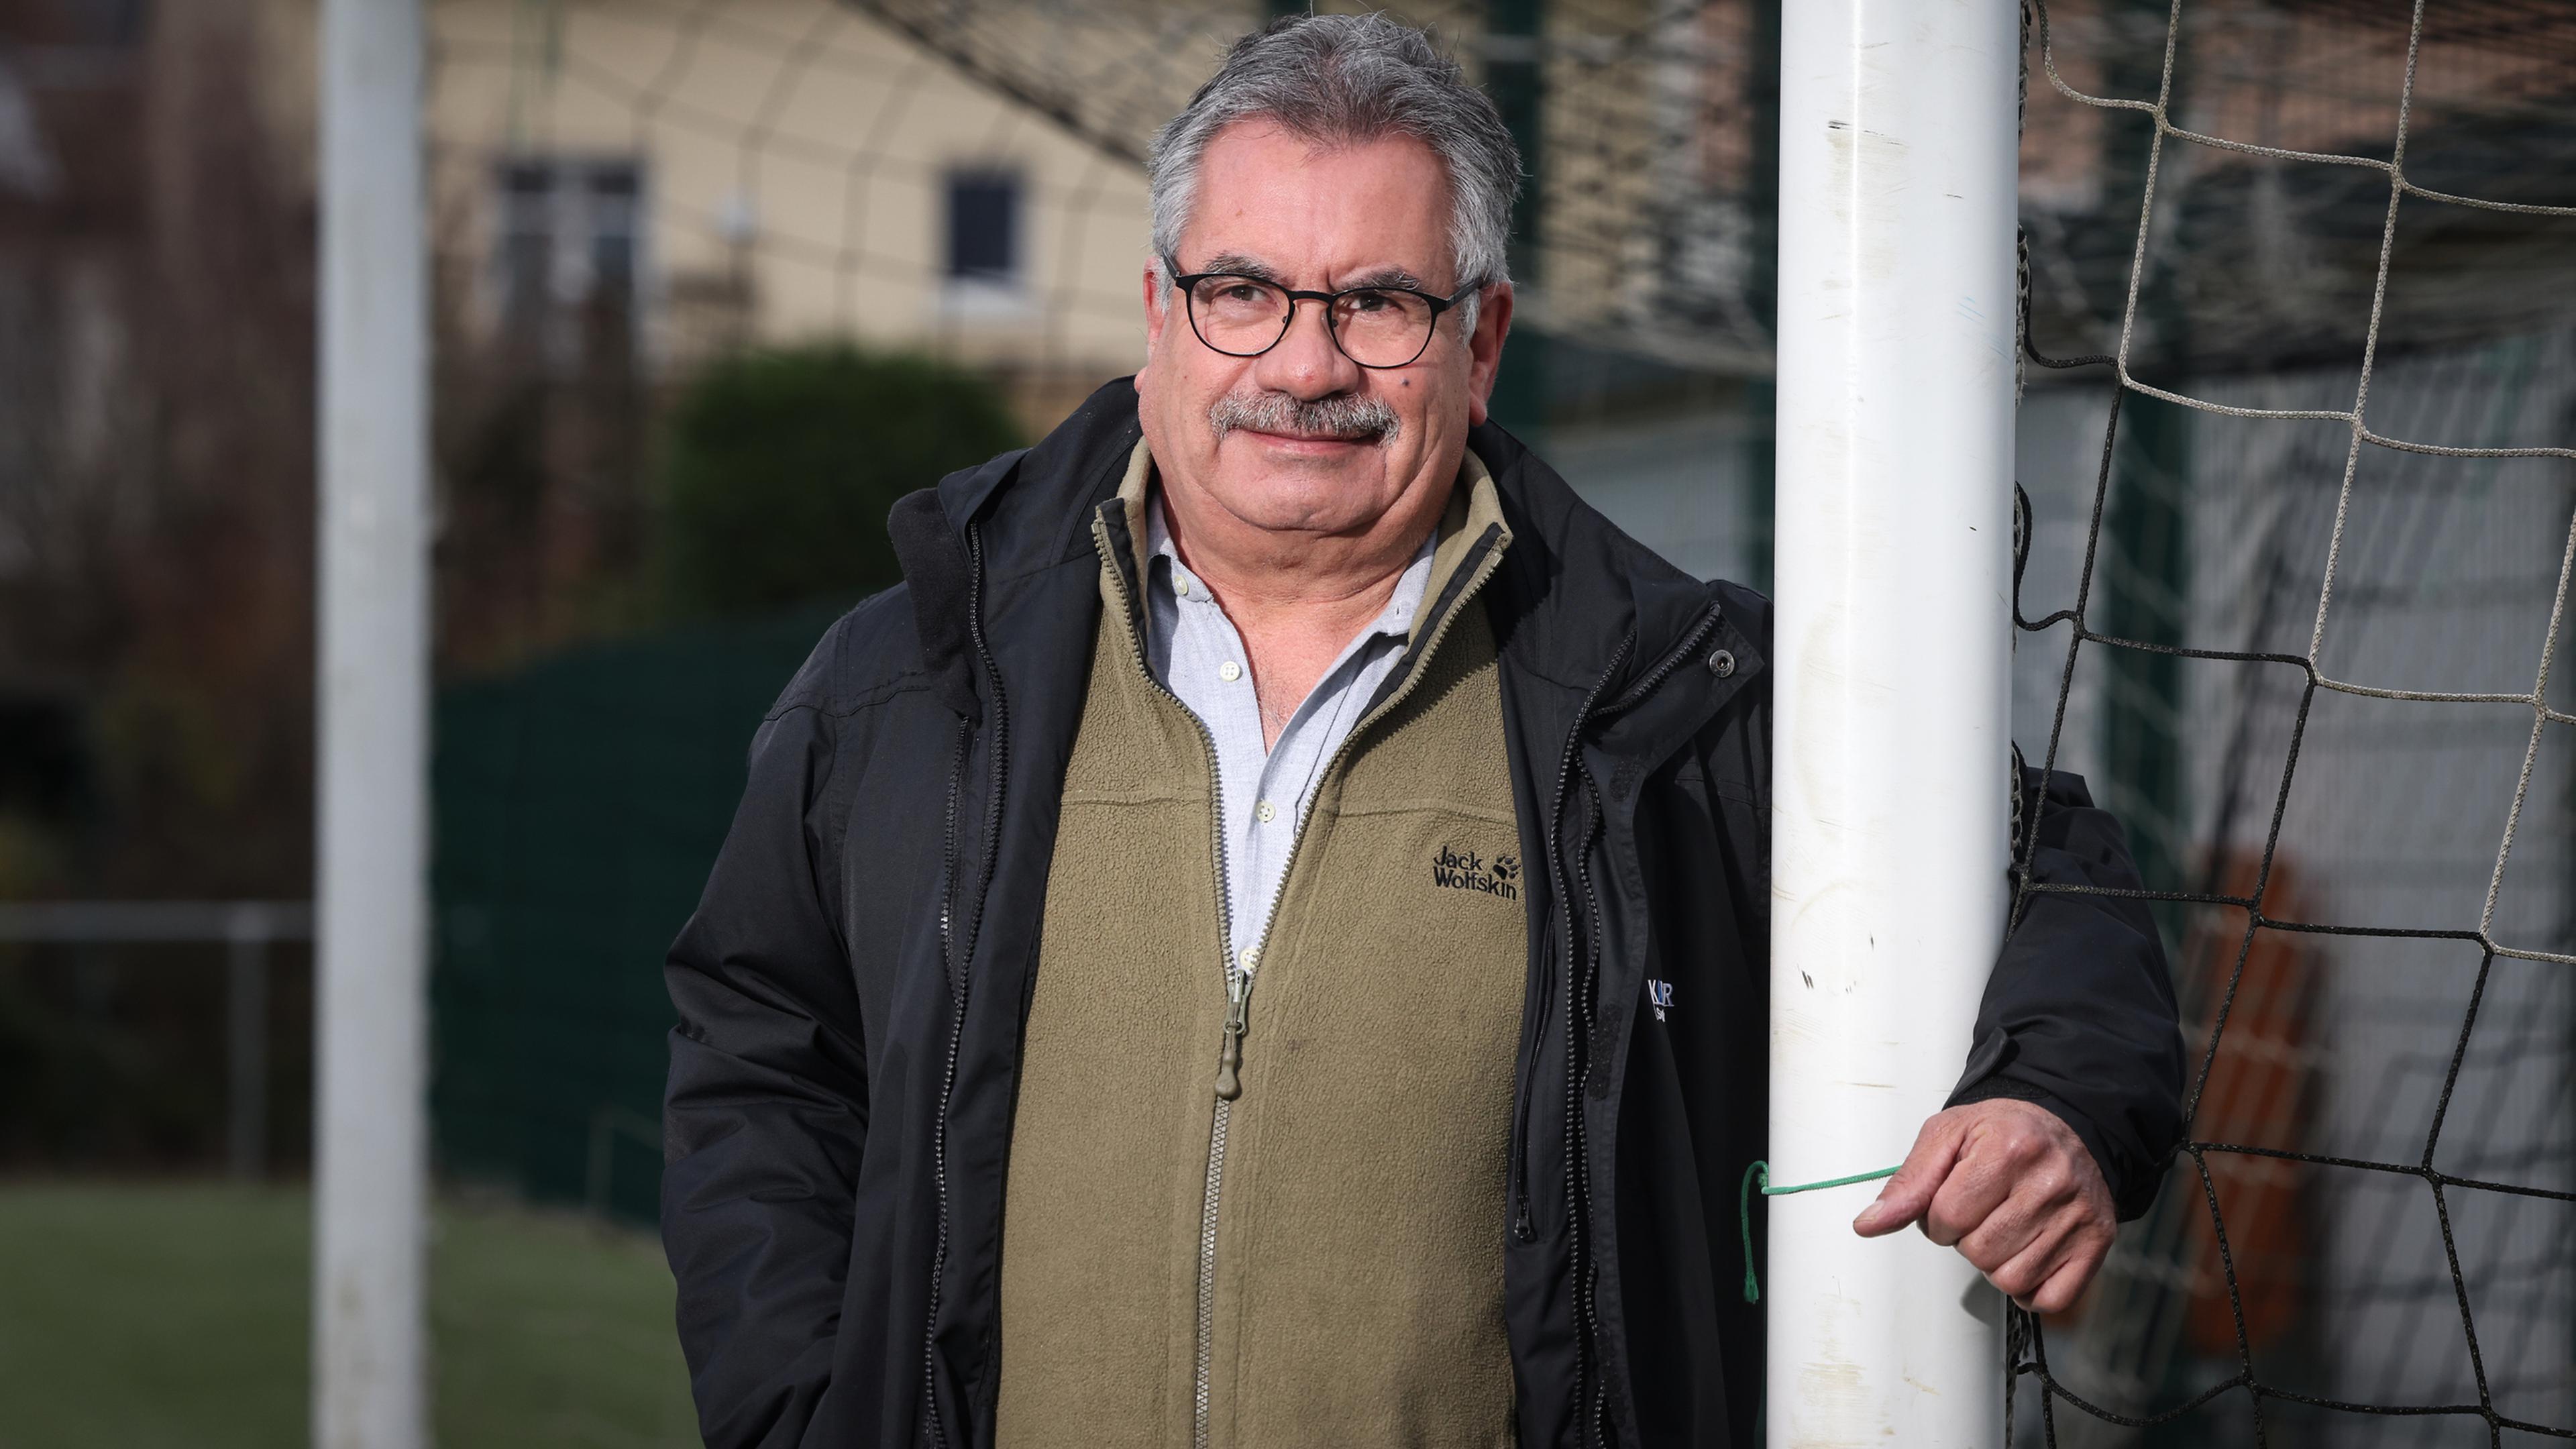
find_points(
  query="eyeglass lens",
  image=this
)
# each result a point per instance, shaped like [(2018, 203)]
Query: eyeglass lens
[(1244, 317)]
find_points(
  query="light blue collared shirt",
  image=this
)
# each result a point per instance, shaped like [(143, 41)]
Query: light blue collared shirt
[(1193, 649)]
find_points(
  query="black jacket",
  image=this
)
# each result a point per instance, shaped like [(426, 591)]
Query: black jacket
[(852, 987)]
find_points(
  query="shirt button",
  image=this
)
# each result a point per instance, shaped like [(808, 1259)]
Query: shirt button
[(1180, 586), (1249, 957), (1229, 671), (1262, 812)]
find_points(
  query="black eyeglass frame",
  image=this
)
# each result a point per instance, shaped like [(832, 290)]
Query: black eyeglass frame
[(1182, 282)]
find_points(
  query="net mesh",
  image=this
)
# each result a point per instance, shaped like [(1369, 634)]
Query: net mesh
[(2311, 583)]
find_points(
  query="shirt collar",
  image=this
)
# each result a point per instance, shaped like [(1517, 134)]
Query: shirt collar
[(1394, 621)]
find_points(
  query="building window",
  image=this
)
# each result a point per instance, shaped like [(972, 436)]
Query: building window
[(570, 257), (984, 227)]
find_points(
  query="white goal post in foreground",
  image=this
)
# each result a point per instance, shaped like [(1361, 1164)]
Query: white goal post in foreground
[(371, 831), (1899, 135)]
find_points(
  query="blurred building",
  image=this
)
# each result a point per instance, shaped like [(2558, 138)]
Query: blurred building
[(647, 184), (767, 171)]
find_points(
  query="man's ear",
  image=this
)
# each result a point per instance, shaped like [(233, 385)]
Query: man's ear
[(1157, 299), (1485, 348)]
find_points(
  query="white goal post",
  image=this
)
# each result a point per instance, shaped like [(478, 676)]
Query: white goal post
[(371, 835), (1898, 158)]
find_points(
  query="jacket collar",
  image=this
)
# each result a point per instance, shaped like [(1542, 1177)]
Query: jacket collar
[(1574, 594)]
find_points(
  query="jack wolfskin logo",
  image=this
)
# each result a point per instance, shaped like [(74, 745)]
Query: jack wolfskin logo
[(1465, 870), (1659, 995)]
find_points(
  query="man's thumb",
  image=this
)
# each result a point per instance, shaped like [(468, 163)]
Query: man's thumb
[(1908, 1195)]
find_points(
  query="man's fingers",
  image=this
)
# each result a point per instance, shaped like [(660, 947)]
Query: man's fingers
[(2021, 1272), (1910, 1192), (1989, 1163), (2074, 1274), (2043, 1198), (2026, 1218)]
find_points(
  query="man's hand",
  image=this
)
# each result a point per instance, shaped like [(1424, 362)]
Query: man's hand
[(2014, 1189)]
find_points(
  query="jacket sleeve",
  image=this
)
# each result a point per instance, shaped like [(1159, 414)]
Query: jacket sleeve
[(766, 1110), (2079, 1015)]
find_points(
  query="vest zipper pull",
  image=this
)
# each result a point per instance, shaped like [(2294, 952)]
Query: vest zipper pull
[(1229, 1059)]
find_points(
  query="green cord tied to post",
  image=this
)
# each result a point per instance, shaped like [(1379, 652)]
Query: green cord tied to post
[(1744, 1209)]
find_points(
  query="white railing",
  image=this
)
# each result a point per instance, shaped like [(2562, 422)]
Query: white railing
[(247, 929)]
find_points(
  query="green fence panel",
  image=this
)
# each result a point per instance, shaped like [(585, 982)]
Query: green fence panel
[(578, 804)]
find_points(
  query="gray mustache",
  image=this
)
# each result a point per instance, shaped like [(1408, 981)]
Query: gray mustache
[(1346, 416)]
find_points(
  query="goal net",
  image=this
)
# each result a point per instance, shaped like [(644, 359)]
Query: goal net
[(2297, 460)]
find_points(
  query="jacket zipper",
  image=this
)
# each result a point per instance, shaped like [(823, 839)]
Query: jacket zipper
[(1588, 1281), (1523, 1227), (1238, 993), (1239, 1002), (1652, 679), (1238, 978), (1628, 699), (1575, 1026), (1239, 983), (1579, 1005), (956, 950)]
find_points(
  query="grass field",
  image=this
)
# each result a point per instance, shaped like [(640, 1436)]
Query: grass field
[(174, 1317)]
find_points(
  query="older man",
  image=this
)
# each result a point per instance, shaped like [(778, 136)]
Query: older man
[(1261, 940)]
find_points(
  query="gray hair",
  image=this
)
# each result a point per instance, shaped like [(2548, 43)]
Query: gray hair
[(1345, 80)]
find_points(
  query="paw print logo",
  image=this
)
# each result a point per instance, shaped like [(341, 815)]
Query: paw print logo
[(1507, 866)]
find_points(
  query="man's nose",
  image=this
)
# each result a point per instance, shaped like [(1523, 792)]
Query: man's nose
[(1306, 363)]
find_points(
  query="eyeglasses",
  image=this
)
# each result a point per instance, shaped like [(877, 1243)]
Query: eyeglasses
[(1244, 316)]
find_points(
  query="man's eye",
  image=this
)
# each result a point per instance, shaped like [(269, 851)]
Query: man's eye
[(1366, 302), (1243, 293)]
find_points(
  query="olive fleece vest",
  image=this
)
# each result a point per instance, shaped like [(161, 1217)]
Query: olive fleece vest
[(1318, 1261)]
